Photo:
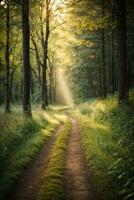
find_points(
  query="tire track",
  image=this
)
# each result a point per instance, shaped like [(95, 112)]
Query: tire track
[(29, 184), (78, 185)]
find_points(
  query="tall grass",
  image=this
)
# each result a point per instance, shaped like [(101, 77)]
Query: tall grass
[(20, 141), (107, 132)]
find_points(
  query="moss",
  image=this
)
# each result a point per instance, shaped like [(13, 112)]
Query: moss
[(53, 187)]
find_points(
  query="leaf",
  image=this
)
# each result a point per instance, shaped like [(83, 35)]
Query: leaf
[(129, 196)]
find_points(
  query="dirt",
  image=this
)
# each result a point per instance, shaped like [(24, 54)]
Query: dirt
[(29, 184), (77, 177), (78, 183)]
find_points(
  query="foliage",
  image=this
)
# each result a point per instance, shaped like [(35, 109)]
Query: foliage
[(21, 139), (108, 139)]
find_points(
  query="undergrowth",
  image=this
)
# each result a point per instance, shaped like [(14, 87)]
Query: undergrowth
[(107, 132), (20, 141), (53, 187)]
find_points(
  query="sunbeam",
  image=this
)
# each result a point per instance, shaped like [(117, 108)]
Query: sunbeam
[(64, 89)]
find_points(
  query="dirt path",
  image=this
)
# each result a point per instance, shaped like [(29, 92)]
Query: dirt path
[(29, 184), (78, 185)]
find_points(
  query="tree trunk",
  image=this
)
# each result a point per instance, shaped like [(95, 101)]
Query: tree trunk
[(44, 67), (11, 83), (39, 64), (54, 85), (113, 63), (50, 89), (122, 48), (7, 97), (50, 74), (26, 58), (44, 90), (103, 56), (99, 78), (113, 53)]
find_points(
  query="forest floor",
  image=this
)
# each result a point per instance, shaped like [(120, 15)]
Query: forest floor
[(77, 180), (29, 184), (80, 153)]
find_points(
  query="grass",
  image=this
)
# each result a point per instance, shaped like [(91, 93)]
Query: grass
[(53, 187), (20, 140), (108, 140), (107, 132)]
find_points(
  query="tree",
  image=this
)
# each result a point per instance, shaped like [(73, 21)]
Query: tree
[(122, 51), (45, 56), (113, 50), (26, 58), (7, 55), (103, 73)]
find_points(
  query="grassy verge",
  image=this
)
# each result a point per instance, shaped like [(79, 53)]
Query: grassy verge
[(108, 140), (20, 141), (54, 188)]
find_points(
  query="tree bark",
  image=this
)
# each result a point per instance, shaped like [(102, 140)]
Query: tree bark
[(113, 63), (113, 67), (26, 58), (50, 74), (104, 95), (122, 51), (44, 67), (11, 83), (54, 85), (39, 64), (7, 55), (44, 90)]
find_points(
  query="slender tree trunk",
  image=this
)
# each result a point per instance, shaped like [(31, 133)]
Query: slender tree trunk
[(32, 81), (99, 78), (26, 58), (44, 89), (116, 71), (7, 98), (44, 67), (50, 89), (11, 84), (54, 84), (50, 74), (39, 64), (91, 91), (122, 48), (103, 56), (113, 64), (113, 53)]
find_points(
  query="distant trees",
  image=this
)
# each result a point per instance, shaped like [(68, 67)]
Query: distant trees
[(20, 76), (105, 28), (95, 46), (47, 10)]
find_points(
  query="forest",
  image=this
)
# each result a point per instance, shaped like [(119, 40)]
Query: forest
[(66, 100)]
